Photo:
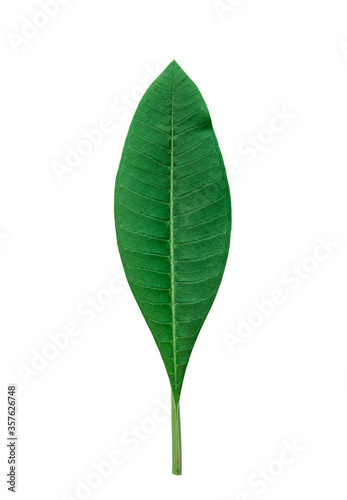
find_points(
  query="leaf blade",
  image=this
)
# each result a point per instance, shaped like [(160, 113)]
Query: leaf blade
[(173, 215)]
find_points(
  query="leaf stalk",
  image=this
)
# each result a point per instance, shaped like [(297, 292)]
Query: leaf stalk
[(176, 437)]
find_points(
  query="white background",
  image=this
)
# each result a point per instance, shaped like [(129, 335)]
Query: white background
[(242, 397)]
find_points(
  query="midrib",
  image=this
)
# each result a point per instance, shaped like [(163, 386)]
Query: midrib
[(172, 236)]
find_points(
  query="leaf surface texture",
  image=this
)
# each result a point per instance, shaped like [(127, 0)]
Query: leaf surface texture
[(173, 215)]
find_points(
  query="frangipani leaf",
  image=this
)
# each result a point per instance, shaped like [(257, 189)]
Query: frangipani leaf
[(173, 220)]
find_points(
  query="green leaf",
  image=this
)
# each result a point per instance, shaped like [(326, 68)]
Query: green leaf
[(173, 219)]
